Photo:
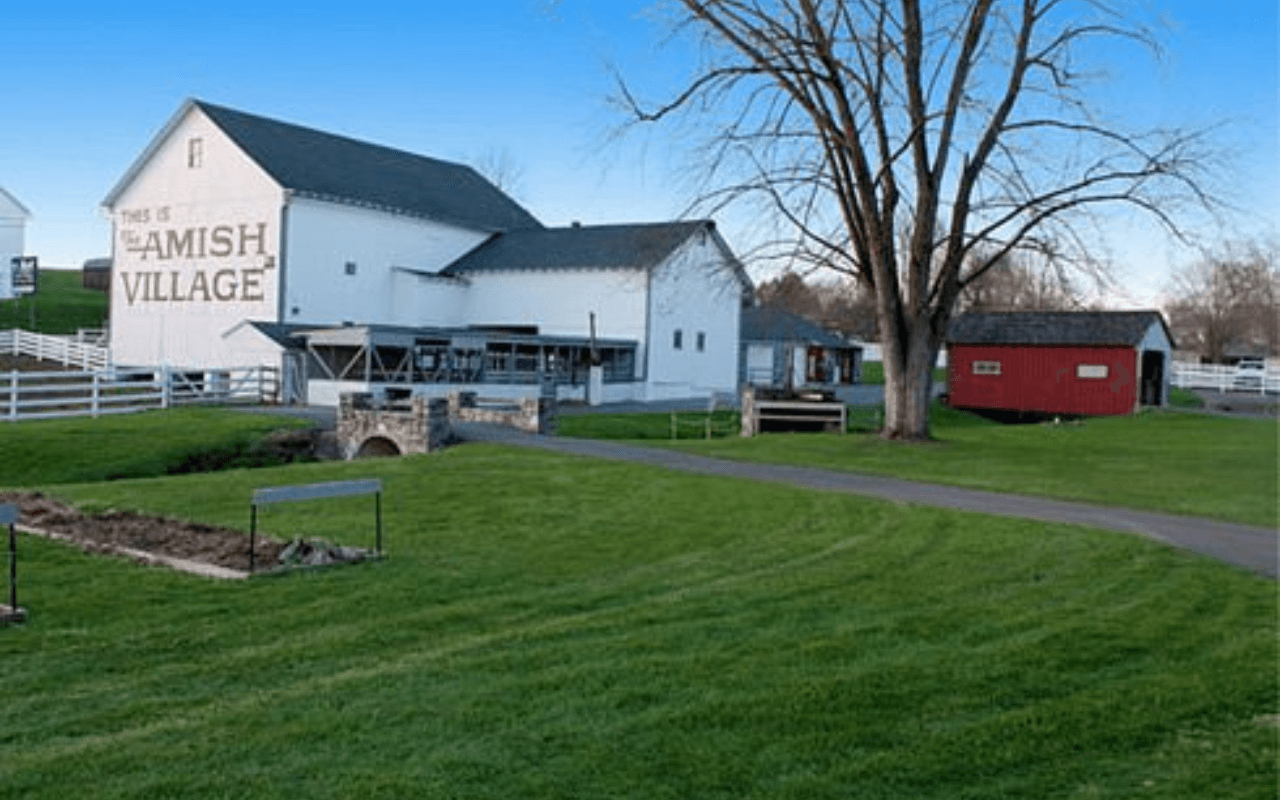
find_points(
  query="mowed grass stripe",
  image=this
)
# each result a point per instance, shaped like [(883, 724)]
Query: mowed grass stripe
[(549, 625), (1175, 462)]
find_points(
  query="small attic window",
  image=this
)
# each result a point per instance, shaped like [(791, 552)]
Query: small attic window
[(350, 268), (195, 153)]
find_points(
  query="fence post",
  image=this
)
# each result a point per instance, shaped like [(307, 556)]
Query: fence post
[(93, 401), (166, 386), (13, 395)]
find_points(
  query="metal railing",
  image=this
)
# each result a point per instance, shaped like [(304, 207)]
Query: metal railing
[(1224, 378), (52, 395)]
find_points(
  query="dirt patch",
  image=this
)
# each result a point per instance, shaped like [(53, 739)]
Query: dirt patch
[(9, 362), (110, 531)]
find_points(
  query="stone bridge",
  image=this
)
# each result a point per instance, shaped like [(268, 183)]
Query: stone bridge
[(368, 428)]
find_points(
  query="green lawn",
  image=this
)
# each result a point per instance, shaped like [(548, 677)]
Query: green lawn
[(62, 305), (149, 443), (553, 626), (873, 373), (1176, 462)]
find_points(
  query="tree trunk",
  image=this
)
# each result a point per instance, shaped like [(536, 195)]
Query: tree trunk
[(908, 384)]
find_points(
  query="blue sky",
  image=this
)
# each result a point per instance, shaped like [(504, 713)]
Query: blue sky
[(86, 86)]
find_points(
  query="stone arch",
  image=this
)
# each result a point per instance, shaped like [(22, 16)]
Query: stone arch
[(378, 447)]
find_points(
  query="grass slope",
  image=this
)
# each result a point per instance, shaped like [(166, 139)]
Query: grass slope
[(62, 305), (551, 626), (84, 449), (1180, 463)]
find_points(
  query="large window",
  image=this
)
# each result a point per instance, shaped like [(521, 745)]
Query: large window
[(677, 339), (701, 341)]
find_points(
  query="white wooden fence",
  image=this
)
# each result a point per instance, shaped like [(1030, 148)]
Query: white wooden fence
[(1223, 378), (79, 351), (47, 395)]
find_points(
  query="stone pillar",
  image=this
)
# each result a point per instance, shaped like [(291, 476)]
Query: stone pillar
[(748, 410)]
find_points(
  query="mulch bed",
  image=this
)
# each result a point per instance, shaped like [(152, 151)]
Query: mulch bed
[(110, 530)]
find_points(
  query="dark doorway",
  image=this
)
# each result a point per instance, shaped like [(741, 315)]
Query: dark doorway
[(1152, 386), (816, 371)]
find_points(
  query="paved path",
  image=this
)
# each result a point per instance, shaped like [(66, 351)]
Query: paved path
[(1253, 548)]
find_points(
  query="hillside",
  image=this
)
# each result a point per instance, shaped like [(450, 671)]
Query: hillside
[(61, 306)]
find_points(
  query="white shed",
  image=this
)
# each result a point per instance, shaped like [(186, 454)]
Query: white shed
[(13, 225)]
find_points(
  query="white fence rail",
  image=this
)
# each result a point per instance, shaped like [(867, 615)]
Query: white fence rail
[(78, 351), (48, 395), (1224, 378)]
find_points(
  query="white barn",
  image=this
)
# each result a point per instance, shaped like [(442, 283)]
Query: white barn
[(240, 241), (13, 226)]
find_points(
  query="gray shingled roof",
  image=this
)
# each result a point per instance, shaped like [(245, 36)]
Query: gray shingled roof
[(586, 247), (321, 165), (1055, 327), (764, 324)]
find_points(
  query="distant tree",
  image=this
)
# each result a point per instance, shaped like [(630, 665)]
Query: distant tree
[(839, 307), (900, 139), (790, 292), (1228, 296), (501, 169), (1010, 284)]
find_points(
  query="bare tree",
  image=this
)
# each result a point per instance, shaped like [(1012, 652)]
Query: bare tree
[(841, 307), (1229, 296), (913, 145), (790, 292), (1011, 284), (501, 169)]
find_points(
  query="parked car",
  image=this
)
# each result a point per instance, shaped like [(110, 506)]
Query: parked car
[(1249, 374)]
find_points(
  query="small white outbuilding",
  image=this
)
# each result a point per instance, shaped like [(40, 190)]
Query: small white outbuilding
[(13, 226)]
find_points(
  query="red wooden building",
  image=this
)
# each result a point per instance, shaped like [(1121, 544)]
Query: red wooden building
[(1059, 362)]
